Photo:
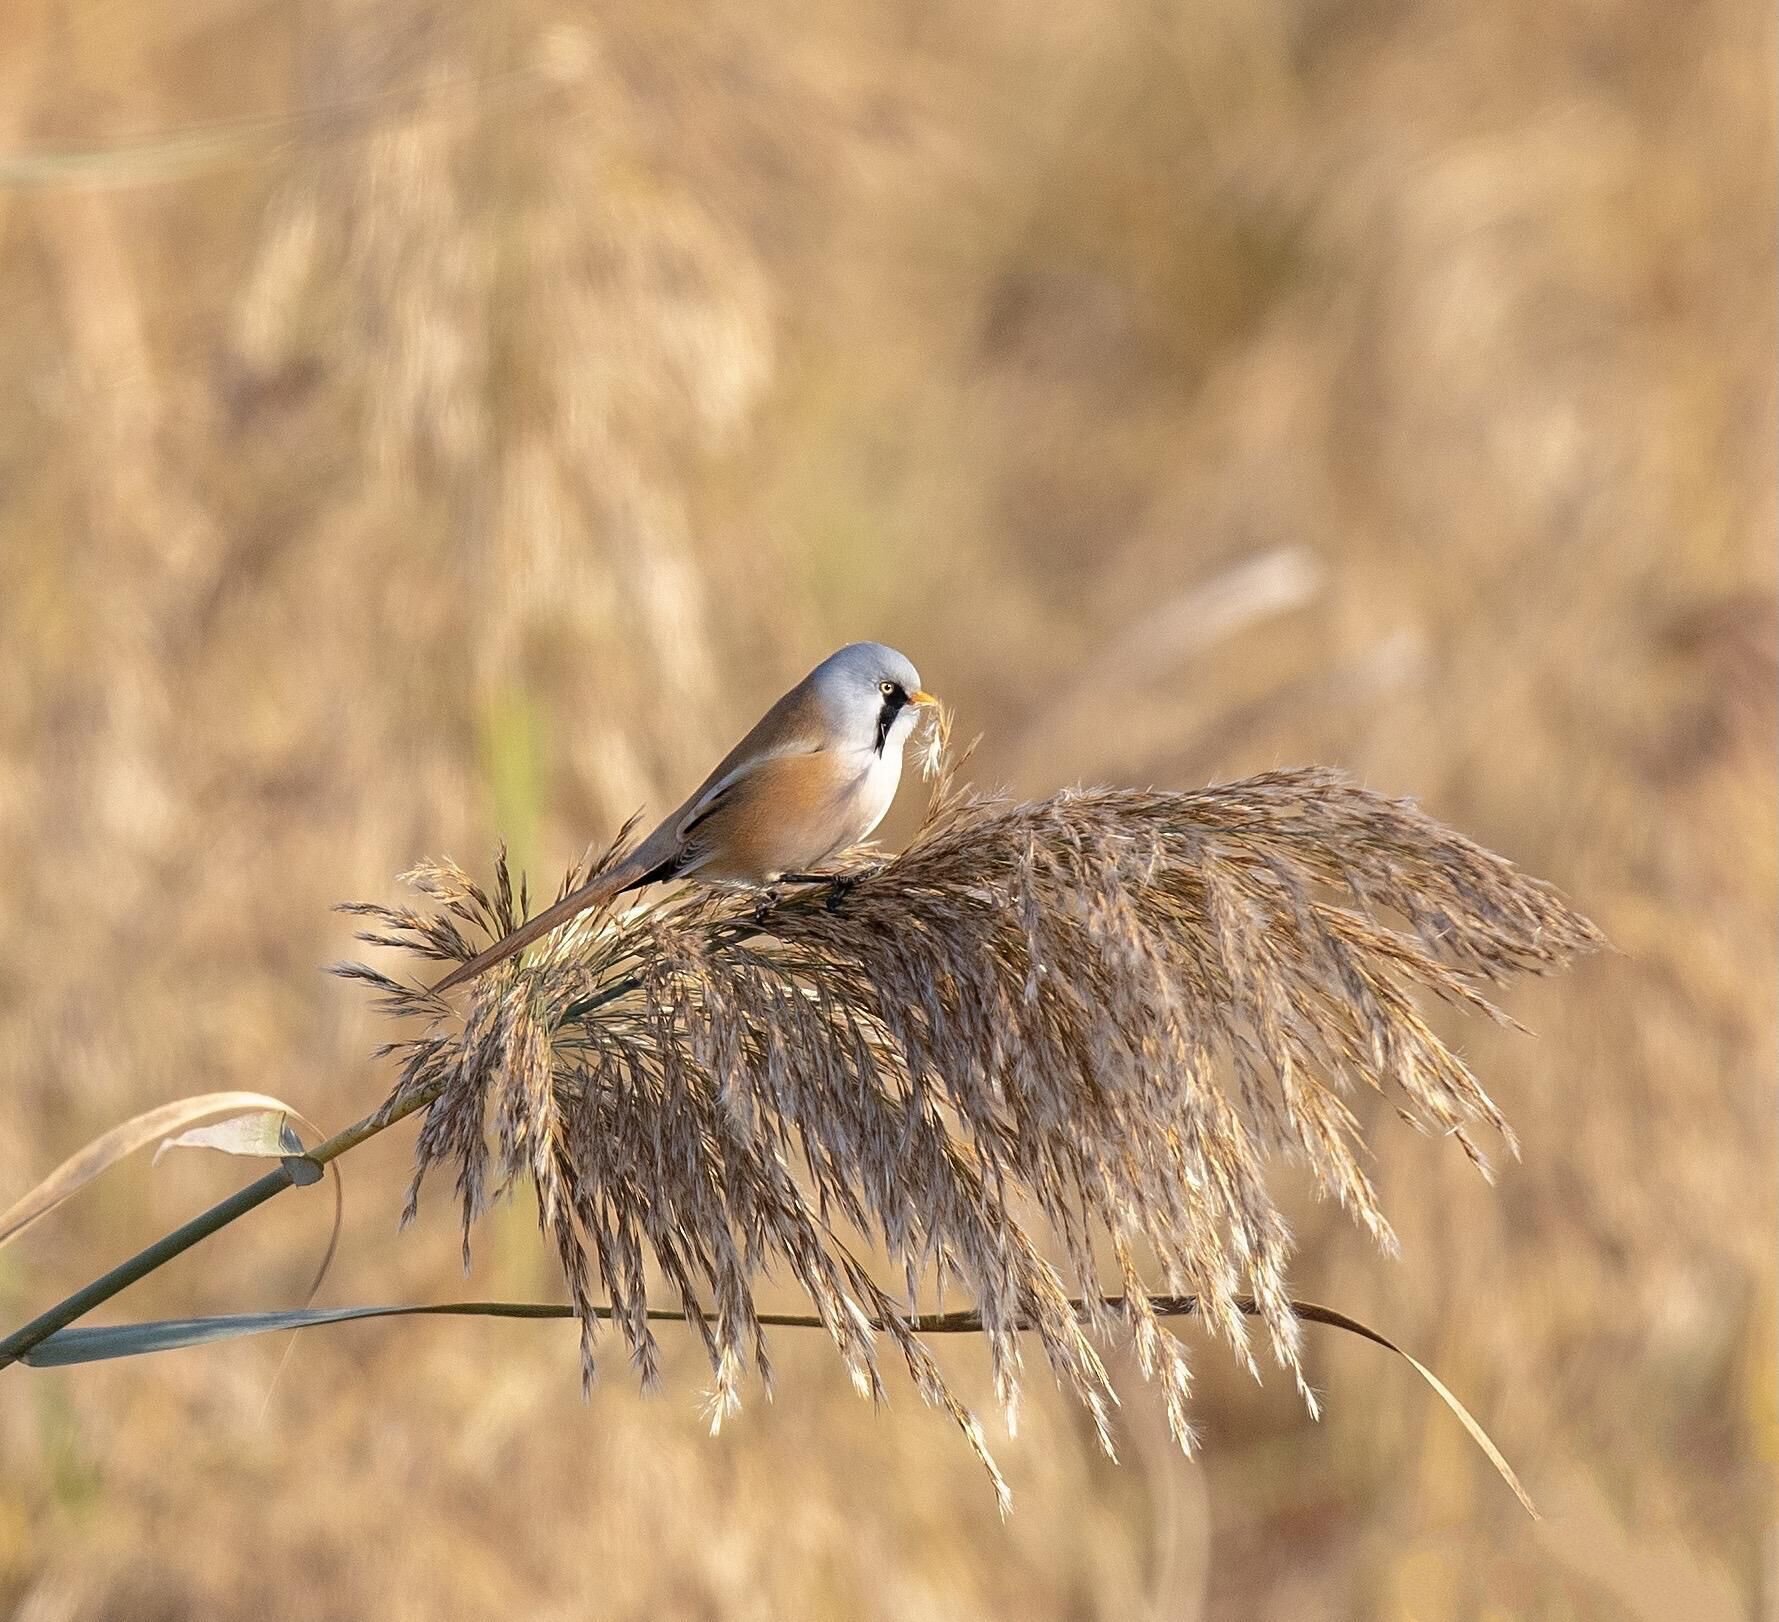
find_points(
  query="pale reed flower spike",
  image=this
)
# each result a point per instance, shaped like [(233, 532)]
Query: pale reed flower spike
[(1106, 1010)]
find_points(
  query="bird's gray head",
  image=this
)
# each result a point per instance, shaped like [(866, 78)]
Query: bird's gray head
[(871, 694)]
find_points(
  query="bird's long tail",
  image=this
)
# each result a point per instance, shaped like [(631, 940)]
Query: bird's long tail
[(627, 875)]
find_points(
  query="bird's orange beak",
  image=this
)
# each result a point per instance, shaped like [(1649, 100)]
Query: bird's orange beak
[(921, 696)]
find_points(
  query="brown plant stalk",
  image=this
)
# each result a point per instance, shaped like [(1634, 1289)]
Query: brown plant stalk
[(1106, 1010)]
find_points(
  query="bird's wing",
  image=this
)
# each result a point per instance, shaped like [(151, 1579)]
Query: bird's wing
[(720, 796), (786, 813), (793, 726)]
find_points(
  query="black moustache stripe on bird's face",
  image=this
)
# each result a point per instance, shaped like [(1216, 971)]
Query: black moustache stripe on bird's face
[(893, 705)]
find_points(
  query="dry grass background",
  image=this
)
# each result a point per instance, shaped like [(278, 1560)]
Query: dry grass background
[(480, 446)]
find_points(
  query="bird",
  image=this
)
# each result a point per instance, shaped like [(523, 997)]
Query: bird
[(814, 777)]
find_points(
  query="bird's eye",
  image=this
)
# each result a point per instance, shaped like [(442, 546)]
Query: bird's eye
[(887, 688)]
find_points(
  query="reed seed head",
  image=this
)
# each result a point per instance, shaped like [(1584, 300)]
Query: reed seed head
[(1093, 1018)]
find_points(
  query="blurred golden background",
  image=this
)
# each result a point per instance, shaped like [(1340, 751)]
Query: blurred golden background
[(431, 422)]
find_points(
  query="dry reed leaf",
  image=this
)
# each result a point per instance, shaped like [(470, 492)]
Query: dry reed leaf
[(1109, 1008), (124, 1139), (258, 1134), (105, 1343)]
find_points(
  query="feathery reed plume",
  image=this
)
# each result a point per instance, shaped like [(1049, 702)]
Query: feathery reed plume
[(1107, 1008)]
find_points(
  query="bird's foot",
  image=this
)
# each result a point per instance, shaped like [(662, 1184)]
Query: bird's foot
[(839, 885), (764, 902)]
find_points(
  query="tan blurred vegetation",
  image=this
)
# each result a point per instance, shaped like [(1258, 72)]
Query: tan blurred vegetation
[(427, 424)]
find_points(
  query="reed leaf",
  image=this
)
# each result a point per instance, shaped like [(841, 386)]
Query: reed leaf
[(71, 1346), (262, 1132)]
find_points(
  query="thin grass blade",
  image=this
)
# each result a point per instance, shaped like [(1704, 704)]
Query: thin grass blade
[(123, 1140), (1310, 1312), (97, 1345), (103, 1344)]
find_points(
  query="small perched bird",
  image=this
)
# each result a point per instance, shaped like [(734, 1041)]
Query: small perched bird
[(815, 776)]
